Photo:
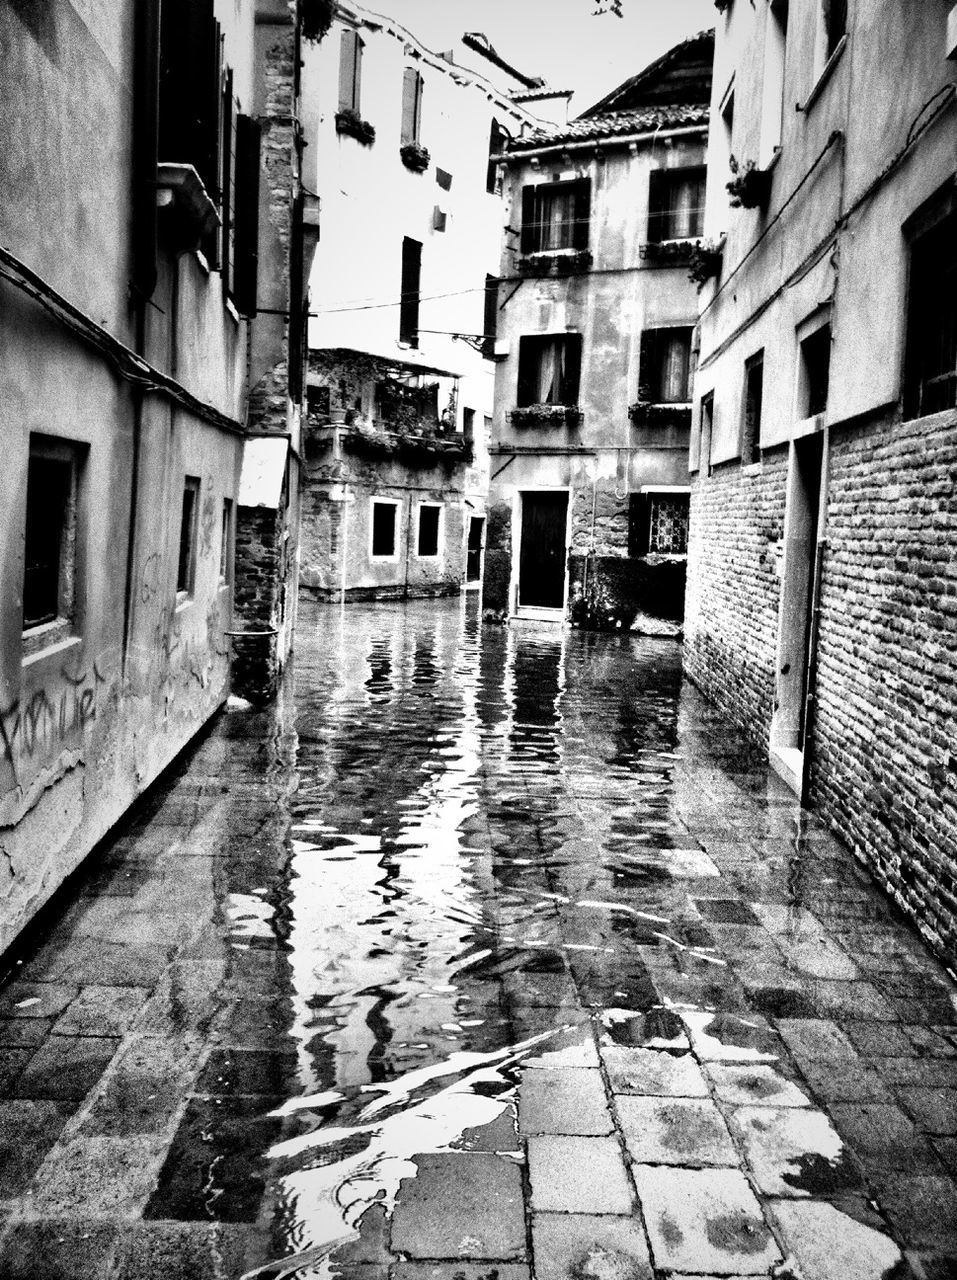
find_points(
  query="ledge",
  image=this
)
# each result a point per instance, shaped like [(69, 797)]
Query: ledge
[(179, 187), (644, 413), (545, 415)]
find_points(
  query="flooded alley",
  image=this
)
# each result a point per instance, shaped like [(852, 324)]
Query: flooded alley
[(486, 953)]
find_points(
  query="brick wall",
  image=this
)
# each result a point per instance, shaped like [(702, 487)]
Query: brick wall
[(733, 589), (885, 735), (256, 595)]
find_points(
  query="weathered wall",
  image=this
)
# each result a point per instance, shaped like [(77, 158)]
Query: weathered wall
[(92, 711), (885, 766)]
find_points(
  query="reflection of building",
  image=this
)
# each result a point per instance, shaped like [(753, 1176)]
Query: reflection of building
[(400, 383), (130, 163), (589, 497), (821, 574)]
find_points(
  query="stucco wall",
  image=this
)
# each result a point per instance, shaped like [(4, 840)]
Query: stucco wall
[(90, 718)]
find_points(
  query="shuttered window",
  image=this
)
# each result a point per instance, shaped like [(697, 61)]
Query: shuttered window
[(411, 105), (490, 324), (496, 144), (350, 70), (409, 299), (190, 113), (555, 215), (246, 217), (676, 204), (549, 369), (665, 363)]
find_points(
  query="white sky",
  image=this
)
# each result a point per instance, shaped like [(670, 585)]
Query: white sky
[(562, 40)]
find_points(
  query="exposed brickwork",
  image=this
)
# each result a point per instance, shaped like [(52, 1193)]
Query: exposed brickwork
[(731, 611), (258, 584), (607, 593), (498, 558), (885, 766)]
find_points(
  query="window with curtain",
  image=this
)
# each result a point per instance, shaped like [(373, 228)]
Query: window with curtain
[(555, 215), (665, 366), (676, 204), (549, 369)]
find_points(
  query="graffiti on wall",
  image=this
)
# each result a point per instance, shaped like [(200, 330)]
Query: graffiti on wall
[(46, 720)]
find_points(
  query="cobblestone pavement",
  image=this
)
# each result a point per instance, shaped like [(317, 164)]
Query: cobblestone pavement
[(485, 953)]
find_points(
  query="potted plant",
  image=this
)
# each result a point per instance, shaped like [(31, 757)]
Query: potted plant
[(545, 415), (750, 187), (705, 261), (415, 156), (351, 123)]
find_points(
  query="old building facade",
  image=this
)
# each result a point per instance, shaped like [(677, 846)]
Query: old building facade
[(400, 380), (130, 172), (588, 501), (821, 594)]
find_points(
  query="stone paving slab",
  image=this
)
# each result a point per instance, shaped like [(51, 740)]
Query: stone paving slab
[(563, 1100), (578, 1175), (653, 1073), (675, 1131), (578, 1246), (461, 1206)]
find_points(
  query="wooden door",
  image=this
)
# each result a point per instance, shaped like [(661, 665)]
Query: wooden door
[(541, 571)]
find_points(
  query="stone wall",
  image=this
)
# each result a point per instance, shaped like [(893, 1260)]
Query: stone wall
[(885, 735), (621, 593), (498, 559), (258, 585), (731, 609)]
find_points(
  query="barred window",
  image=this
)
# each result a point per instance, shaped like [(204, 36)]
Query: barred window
[(658, 524)]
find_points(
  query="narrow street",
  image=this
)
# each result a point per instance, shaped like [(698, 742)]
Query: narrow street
[(486, 951)]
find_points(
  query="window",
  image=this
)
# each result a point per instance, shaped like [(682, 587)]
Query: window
[(430, 520), (443, 178), (665, 366), (753, 397), (468, 424), (190, 88), (772, 104), (835, 23), (409, 300), (383, 541), (50, 536), (186, 563), (490, 319), (497, 138), (350, 71), (555, 216), (658, 523), (411, 105), (930, 366), (676, 204), (814, 372), (705, 433), (549, 369), (225, 544), (246, 220)]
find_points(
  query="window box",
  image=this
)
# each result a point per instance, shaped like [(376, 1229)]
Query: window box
[(705, 261), (668, 252), (415, 156), (190, 215), (645, 413), (545, 415), (351, 123), (561, 264), (750, 188)]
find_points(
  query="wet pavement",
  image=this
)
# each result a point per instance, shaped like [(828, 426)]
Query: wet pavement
[(487, 953)]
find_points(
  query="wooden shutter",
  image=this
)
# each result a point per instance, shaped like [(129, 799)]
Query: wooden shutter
[(496, 143), (247, 215), (530, 236), (659, 191), (350, 66), (639, 523), (145, 134), (573, 368), (528, 349), (490, 322), (649, 372), (582, 213), (411, 105), (227, 253), (409, 300)]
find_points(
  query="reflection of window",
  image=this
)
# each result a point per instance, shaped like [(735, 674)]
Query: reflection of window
[(383, 542), (427, 545), (49, 567), (555, 216), (186, 564), (350, 71), (658, 524), (409, 300), (549, 369), (930, 370), (676, 204), (753, 397), (665, 364), (411, 105), (815, 372)]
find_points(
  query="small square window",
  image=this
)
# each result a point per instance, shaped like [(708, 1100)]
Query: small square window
[(186, 563), (753, 398), (384, 540), (815, 372), (658, 524), (430, 519), (50, 535)]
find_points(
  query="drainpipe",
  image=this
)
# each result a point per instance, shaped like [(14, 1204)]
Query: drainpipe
[(810, 701)]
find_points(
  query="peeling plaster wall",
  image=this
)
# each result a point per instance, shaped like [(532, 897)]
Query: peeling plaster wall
[(90, 717)]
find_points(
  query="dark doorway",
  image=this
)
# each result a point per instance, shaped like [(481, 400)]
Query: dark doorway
[(541, 571), (473, 555)]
